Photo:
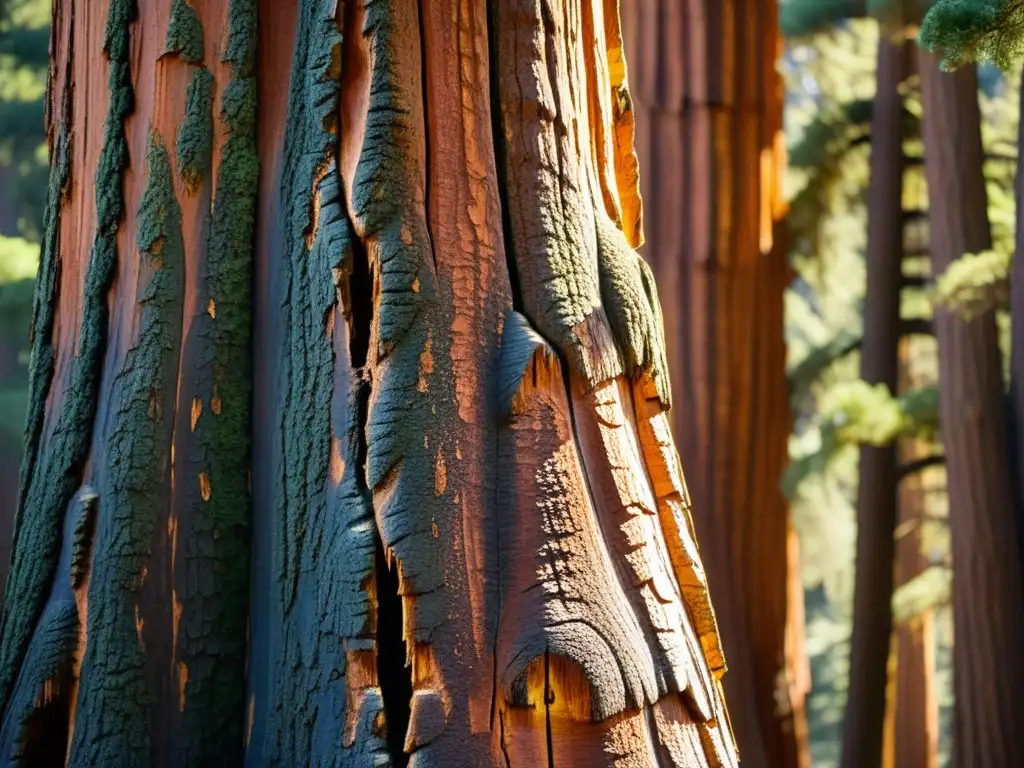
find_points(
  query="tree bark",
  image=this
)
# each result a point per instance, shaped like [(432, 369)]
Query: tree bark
[(863, 725), (348, 436), (987, 582), (915, 708), (709, 105), (1016, 393)]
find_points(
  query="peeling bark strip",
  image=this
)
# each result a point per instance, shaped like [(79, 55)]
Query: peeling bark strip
[(471, 536)]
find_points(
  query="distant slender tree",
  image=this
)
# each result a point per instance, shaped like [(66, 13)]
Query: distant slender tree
[(877, 490)]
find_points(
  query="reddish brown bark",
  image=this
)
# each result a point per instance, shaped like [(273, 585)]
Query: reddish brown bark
[(709, 105), (915, 740)]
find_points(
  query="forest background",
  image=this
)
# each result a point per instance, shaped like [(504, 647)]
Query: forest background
[(828, 68)]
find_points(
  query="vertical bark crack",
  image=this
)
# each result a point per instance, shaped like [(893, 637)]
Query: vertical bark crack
[(426, 127), (500, 158), (357, 304), (393, 675)]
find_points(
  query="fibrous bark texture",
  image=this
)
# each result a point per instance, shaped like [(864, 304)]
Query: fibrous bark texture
[(348, 440), (915, 716), (708, 101), (987, 582), (864, 722)]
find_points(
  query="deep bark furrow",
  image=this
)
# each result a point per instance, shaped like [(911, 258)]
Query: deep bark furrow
[(49, 666)]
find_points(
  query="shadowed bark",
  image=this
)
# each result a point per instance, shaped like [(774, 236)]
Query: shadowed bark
[(348, 438), (8, 501), (709, 136), (988, 671)]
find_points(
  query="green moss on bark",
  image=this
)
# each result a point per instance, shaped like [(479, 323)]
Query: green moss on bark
[(184, 33), (212, 482), (195, 134), (114, 708), (630, 299), (49, 660)]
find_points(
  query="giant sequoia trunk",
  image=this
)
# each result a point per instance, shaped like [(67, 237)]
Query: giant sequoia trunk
[(987, 580), (348, 433), (864, 722), (709, 127)]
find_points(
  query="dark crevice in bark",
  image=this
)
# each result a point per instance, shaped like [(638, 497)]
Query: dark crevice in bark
[(504, 747), (426, 127), (45, 737), (360, 305), (363, 401), (500, 159), (393, 674)]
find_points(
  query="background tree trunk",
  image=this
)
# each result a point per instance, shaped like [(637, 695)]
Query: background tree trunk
[(709, 106), (348, 291), (987, 576), (1016, 393), (864, 722), (916, 707)]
